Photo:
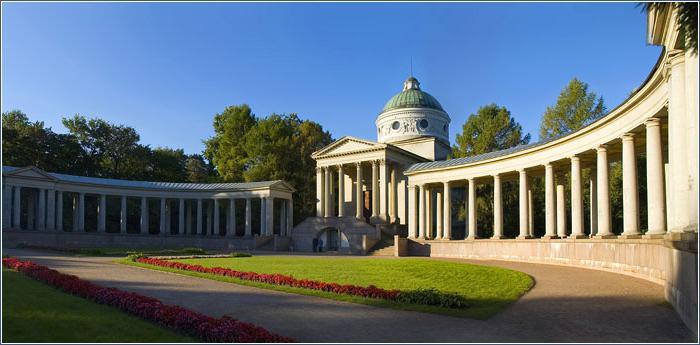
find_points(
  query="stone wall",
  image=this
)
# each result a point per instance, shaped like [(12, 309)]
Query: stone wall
[(12, 238), (673, 264)]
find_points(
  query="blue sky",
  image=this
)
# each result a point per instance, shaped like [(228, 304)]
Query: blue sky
[(167, 68)]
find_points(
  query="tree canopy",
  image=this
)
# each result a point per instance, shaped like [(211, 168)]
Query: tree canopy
[(492, 128), (575, 108)]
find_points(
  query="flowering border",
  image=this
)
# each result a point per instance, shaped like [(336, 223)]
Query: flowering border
[(204, 327), (279, 279)]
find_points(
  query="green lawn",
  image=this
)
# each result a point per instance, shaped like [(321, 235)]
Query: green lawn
[(489, 289), (35, 312)]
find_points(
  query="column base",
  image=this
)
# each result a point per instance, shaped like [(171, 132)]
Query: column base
[(605, 237), (578, 237), (550, 237), (499, 237), (526, 237), (654, 236), (471, 238), (630, 237)]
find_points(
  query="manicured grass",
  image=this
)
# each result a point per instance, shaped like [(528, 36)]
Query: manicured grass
[(34, 312), (489, 289)]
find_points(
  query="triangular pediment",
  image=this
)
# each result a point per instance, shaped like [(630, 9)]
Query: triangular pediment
[(345, 145), (30, 172)]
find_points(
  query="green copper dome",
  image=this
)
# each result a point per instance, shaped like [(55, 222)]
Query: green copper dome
[(412, 97)]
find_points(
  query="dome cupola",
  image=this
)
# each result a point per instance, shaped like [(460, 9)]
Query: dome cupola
[(412, 113)]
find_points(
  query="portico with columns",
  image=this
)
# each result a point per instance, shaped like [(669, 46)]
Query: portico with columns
[(39, 201)]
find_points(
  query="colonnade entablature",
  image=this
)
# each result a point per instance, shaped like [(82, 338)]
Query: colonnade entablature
[(37, 200)]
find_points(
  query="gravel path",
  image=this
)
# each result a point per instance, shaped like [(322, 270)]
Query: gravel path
[(566, 305)]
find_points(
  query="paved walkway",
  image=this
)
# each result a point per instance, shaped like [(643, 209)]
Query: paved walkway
[(566, 305)]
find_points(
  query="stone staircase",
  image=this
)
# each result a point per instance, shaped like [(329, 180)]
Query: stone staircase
[(385, 247)]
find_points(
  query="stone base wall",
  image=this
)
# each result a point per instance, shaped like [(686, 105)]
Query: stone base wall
[(657, 260), (304, 233), (12, 238)]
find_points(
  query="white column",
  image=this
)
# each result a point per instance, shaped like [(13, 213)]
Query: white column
[(656, 203), (438, 215), (263, 212), (41, 210), (576, 199), (81, 212), (561, 208), (327, 192), (421, 212), (59, 211), (393, 197), (163, 216), (550, 213), (144, 215), (472, 210), (16, 207), (290, 216), (102, 214), (630, 201), (269, 216), (231, 230), (412, 221), (530, 212), (359, 200), (679, 146), (181, 217), (604, 221), (497, 208), (123, 215), (375, 188), (51, 210), (248, 218), (447, 213), (6, 206), (74, 208), (341, 191), (383, 183), (522, 199), (217, 217), (199, 217), (593, 199), (429, 213), (31, 209), (320, 193)]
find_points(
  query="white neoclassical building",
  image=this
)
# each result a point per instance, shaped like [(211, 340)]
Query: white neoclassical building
[(402, 186), (50, 209)]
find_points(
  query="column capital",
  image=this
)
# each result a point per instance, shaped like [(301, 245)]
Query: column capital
[(575, 158), (358, 164), (496, 176), (319, 169), (653, 122), (522, 171), (382, 161), (339, 166), (446, 184), (627, 137), (602, 148), (548, 165)]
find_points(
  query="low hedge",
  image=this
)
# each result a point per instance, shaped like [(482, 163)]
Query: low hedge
[(206, 328)]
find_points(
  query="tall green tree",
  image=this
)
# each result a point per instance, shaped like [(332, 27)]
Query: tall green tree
[(197, 169), (168, 164), (225, 149), (111, 150), (492, 128), (26, 143), (575, 108)]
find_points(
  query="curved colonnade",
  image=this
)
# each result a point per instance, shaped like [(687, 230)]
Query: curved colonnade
[(659, 121)]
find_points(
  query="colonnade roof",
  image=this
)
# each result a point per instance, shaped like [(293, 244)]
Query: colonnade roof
[(36, 173)]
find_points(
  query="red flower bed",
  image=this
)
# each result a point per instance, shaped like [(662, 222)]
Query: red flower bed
[(279, 279), (209, 329)]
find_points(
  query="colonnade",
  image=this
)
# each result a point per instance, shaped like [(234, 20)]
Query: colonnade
[(421, 213), (382, 184), (195, 213)]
